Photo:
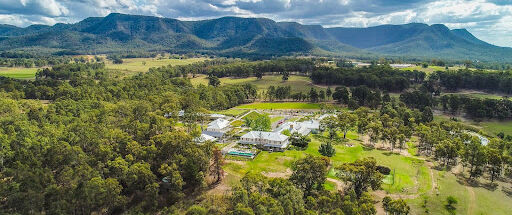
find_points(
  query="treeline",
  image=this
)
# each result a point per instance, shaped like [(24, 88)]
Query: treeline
[(475, 80), (477, 108), (474, 108), (32, 62), (90, 81), (381, 77)]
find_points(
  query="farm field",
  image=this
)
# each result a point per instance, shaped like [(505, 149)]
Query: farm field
[(280, 105), (431, 69), (18, 72), (297, 83), (136, 65)]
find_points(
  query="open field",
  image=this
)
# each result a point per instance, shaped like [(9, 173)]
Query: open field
[(297, 83), (495, 127), (431, 69), (478, 94), (280, 105), (136, 65), (18, 72)]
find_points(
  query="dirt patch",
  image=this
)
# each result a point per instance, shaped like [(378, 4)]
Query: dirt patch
[(285, 174), (222, 188), (339, 185)]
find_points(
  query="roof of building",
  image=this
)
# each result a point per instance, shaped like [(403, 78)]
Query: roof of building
[(214, 134), (274, 136), (218, 124), (216, 115), (204, 137), (302, 128)]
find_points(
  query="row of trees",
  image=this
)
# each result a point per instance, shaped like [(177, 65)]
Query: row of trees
[(376, 77)]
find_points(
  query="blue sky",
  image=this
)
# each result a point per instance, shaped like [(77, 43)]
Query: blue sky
[(490, 20)]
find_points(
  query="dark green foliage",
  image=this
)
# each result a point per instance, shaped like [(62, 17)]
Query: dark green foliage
[(362, 175), (300, 141), (381, 77), (326, 149), (309, 173)]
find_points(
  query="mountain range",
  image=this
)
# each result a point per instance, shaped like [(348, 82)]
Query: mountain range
[(249, 36)]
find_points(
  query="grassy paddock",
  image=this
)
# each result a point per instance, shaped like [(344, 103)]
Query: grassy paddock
[(280, 105), (136, 65), (297, 83), (18, 72)]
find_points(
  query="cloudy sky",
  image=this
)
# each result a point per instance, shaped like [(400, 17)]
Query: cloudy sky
[(490, 20)]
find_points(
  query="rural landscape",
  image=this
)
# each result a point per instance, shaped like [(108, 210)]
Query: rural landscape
[(132, 114)]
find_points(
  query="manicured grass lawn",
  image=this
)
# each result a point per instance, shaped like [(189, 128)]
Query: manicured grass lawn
[(18, 72), (409, 177), (275, 119), (136, 65), (232, 112), (280, 105), (406, 170), (297, 83)]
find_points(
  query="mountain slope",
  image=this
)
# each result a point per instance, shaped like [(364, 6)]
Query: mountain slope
[(249, 36)]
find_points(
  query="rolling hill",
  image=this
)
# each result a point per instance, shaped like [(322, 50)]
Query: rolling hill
[(249, 36)]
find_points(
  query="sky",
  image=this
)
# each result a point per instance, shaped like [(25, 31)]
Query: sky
[(489, 20)]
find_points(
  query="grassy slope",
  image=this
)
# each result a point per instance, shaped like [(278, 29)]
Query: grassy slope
[(18, 72)]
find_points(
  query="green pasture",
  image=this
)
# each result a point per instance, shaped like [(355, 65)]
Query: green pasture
[(18, 72), (136, 65), (297, 83)]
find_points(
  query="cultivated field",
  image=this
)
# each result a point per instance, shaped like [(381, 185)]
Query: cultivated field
[(18, 72)]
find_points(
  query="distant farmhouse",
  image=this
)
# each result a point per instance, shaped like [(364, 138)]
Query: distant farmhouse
[(217, 128), (271, 141)]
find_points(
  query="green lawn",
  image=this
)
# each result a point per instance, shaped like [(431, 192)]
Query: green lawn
[(495, 127), (18, 72), (276, 119), (232, 112), (297, 83), (280, 105), (409, 176), (136, 65)]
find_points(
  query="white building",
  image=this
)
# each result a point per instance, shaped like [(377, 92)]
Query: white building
[(204, 138), (272, 141), (303, 128), (217, 128)]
